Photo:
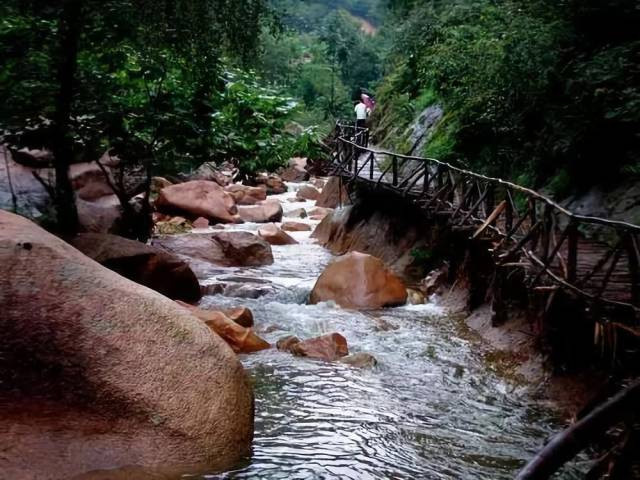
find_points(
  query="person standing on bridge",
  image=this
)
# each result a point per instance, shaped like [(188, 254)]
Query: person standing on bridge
[(362, 112)]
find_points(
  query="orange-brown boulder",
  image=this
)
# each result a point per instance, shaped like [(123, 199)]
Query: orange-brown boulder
[(239, 338), (241, 315), (99, 373), (245, 195), (308, 192), (161, 271), (319, 213), (198, 198), (273, 183), (264, 212), (333, 195), (229, 249), (200, 222), (286, 343), (275, 236), (296, 172), (328, 347), (296, 227), (359, 281)]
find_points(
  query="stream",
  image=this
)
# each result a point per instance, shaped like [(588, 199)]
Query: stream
[(431, 409)]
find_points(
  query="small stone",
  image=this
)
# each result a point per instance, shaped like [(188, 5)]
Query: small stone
[(286, 343), (360, 360)]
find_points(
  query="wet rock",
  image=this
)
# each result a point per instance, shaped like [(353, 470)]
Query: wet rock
[(360, 360), (273, 183), (161, 271), (319, 183), (286, 343), (297, 213), (308, 192), (271, 328), (231, 249), (275, 236), (434, 282), (296, 227), (239, 338), (333, 195), (200, 222), (209, 171), (328, 347), (264, 212), (241, 290), (296, 172), (245, 195), (319, 213), (241, 315), (382, 325), (198, 198), (360, 281), (415, 297), (81, 342), (295, 200), (212, 289)]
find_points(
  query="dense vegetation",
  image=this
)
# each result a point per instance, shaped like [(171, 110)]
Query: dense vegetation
[(536, 91)]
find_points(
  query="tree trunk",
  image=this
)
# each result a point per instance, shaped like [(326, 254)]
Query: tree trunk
[(69, 36)]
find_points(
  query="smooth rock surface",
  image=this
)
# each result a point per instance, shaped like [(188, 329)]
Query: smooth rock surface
[(296, 227), (99, 372), (264, 212), (329, 347), (275, 236), (199, 198), (154, 268), (359, 281)]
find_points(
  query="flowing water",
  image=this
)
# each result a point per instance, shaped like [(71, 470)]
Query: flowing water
[(431, 408)]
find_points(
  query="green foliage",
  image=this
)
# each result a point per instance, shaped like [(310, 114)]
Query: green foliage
[(537, 87)]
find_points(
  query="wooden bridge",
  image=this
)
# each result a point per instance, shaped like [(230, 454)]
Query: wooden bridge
[(596, 259)]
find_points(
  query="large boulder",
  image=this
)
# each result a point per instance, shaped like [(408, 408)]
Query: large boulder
[(359, 281), (308, 192), (245, 195), (154, 268), (333, 195), (264, 212), (297, 170), (210, 171), (273, 183), (103, 215), (98, 372), (199, 198), (229, 249), (275, 236), (31, 197)]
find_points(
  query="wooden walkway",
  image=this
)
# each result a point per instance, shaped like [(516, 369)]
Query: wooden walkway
[(595, 258)]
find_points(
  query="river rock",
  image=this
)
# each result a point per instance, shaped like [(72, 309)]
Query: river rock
[(297, 213), (89, 181), (333, 195), (209, 171), (241, 315), (360, 360), (359, 281), (319, 213), (31, 197), (158, 183), (286, 343), (296, 172), (273, 183), (161, 271), (264, 212), (99, 372), (415, 297), (198, 198), (245, 195), (296, 227), (328, 347), (229, 249), (239, 338), (34, 158), (319, 183), (104, 215), (200, 222), (275, 236), (308, 192)]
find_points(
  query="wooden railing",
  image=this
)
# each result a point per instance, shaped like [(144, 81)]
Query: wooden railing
[(596, 258)]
